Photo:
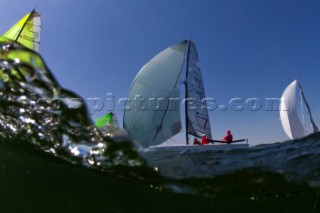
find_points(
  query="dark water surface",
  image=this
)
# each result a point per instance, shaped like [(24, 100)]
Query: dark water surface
[(53, 159)]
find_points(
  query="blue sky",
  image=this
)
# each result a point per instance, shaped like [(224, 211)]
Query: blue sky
[(247, 49)]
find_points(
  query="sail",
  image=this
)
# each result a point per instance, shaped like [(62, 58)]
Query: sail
[(108, 124), (288, 115), (152, 113), (27, 31), (109, 119), (313, 124), (197, 118)]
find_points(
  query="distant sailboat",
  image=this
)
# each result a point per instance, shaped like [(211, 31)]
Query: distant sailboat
[(27, 31), (108, 124), (152, 114), (290, 120)]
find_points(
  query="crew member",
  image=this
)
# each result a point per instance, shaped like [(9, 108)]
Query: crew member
[(228, 138), (204, 140), (196, 142)]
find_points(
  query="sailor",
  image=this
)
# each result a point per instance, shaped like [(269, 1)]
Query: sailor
[(204, 140), (228, 138), (196, 142)]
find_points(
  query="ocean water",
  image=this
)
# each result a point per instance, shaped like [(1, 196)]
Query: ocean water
[(53, 159)]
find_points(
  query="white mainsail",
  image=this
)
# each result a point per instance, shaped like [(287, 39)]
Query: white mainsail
[(197, 118), (288, 114)]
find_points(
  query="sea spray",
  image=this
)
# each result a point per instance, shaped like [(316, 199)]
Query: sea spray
[(35, 109)]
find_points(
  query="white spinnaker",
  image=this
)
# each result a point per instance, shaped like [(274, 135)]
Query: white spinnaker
[(152, 116), (288, 114)]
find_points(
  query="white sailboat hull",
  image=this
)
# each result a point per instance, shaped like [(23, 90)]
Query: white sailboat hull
[(198, 148)]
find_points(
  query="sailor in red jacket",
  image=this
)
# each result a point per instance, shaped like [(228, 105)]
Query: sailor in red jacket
[(196, 142), (204, 140), (228, 138)]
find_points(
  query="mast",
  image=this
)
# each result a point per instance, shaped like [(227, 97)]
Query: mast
[(314, 126), (25, 23), (186, 93)]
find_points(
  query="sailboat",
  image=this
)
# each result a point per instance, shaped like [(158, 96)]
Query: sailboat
[(27, 31), (153, 113), (108, 124), (291, 123)]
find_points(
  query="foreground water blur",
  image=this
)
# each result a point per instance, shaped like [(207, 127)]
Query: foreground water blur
[(52, 158)]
